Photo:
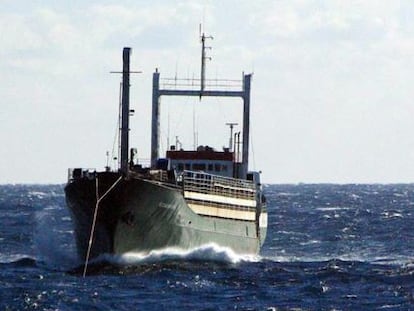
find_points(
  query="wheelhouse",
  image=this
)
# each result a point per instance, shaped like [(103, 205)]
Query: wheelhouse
[(204, 159)]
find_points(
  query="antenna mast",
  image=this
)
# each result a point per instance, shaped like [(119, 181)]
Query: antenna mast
[(231, 125), (203, 38)]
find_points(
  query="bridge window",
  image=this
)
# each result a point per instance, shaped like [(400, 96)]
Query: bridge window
[(199, 167), (217, 167)]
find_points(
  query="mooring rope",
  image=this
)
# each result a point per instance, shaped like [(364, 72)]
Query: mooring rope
[(98, 200)]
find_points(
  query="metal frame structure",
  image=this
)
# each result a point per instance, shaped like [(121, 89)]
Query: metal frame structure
[(157, 92)]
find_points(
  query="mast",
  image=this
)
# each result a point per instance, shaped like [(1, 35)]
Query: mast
[(231, 125), (203, 62), (244, 94), (125, 111), (203, 65)]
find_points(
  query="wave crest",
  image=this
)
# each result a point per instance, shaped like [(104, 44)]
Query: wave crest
[(207, 252)]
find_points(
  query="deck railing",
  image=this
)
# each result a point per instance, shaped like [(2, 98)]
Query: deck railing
[(78, 173), (218, 185)]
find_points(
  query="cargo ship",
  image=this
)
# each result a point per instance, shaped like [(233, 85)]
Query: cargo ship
[(183, 199)]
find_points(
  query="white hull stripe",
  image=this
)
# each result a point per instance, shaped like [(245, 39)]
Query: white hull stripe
[(219, 199), (222, 212), (263, 220)]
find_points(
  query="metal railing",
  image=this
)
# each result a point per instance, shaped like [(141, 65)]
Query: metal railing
[(218, 185), (78, 173), (195, 84)]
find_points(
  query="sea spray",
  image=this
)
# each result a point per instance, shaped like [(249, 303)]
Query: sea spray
[(53, 238)]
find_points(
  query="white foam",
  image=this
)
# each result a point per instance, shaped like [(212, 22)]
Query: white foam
[(332, 208), (388, 214), (38, 194), (208, 252), (310, 242)]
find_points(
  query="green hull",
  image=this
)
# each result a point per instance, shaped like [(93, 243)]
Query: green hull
[(139, 216)]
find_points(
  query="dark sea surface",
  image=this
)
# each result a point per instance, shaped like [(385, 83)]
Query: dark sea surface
[(329, 247)]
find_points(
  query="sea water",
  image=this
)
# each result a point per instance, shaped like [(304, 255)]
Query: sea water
[(329, 247)]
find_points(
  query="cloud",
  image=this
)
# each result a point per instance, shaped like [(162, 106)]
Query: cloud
[(319, 21), (13, 24)]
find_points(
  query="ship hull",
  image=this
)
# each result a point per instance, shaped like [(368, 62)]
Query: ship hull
[(139, 215)]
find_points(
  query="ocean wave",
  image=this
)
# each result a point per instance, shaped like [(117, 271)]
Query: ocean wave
[(402, 261), (208, 252), (333, 208), (38, 194), (25, 262), (392, 214), (13, 258), (310, 242), (156, 260)]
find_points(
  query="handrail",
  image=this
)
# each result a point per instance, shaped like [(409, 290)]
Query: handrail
[(218, 185), (77, 173)]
